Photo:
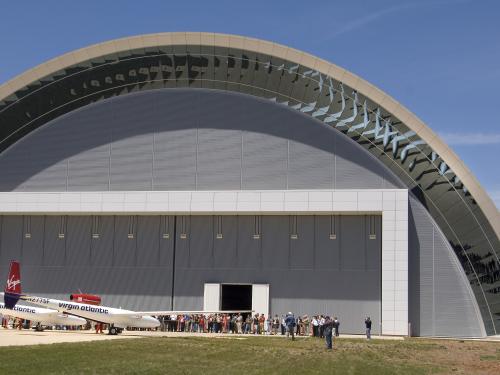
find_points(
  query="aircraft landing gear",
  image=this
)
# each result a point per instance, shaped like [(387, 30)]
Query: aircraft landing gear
[(114, 330), (39, 328)]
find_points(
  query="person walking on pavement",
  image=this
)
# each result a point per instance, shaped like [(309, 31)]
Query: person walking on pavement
[(368, 324)]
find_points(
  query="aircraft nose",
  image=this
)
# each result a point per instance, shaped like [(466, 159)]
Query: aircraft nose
[(154, 322)]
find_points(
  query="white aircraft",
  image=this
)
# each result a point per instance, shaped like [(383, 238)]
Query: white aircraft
[(118, 319), (41, 317)]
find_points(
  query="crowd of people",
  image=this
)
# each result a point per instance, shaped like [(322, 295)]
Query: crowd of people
[(257, 324), (321, 326)]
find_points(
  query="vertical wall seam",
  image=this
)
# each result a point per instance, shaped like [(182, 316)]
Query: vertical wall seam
[(241, 160), (196, 161), (153, 162), (433, 285)]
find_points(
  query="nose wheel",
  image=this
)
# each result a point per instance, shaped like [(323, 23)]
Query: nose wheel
[(114, 330)]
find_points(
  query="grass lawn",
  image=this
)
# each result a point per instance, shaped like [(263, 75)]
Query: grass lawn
[(253, 355)]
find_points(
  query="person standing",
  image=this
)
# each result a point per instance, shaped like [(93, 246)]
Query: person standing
[(328, 332), (255, 329), (276, 324), (248, 324), (315, 325), (239, 321), (337, 326), (368, 324), (305, 321), (262, 320), (290, 324), (321, 324)]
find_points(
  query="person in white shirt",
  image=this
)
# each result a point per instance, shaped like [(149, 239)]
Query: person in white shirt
[(315, 324), (321, 324)]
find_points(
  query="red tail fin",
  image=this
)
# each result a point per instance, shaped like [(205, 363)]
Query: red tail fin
[(14, 281), (13, 286)]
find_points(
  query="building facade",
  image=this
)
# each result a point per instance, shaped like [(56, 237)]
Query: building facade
[(169, 170)]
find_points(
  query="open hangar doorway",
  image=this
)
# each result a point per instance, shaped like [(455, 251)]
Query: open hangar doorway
[(237, 296)]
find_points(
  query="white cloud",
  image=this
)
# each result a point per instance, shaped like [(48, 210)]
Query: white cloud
[(470, 138), (360, 22)]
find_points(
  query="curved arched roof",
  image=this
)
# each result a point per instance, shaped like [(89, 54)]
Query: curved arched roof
[(286, 53), (383, 125)]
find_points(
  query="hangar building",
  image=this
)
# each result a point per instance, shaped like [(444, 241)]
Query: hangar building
[(200, 170)]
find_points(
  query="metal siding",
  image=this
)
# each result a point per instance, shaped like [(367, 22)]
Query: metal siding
[(175, 160), (264, 162), (440, 298), (302, 249), (131, 163), (45, 163), (54, 248), (32, 247), (373, 247), (349, 294), (327, 251), (90, 170), (78, 237), (219, 159), (352, 243), (354, 167), (101, 250), (166, 244), (249, 248), (187, 140), (182, 248), (124, 247), (311, 166), (420, 271), (148, 241), (88, 167), (275, 242), (52, 178), (201, 244), (11, 241), (453, 300), (225, 248)]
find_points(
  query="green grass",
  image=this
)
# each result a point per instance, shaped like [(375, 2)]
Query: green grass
[(253, 355)]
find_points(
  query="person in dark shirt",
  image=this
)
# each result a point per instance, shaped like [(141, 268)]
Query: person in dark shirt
[(336, 325), (255, 324), (368, 324), (328, 332), (290, 324)]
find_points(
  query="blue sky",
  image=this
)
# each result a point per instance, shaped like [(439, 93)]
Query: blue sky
[(439, 58)]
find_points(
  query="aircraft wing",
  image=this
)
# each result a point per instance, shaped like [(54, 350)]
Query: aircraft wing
[(180, 312)]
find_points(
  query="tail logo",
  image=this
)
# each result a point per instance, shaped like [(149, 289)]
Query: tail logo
[(11, 283)]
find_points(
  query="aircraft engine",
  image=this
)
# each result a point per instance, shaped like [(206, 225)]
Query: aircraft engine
[(91, 299)]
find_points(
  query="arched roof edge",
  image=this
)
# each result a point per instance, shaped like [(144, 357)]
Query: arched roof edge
[(287, 53)]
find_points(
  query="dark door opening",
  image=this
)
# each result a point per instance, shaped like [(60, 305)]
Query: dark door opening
[(236, 297)]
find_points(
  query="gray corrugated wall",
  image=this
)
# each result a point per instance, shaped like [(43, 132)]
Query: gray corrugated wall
[(287, 265), (189, 139), (127, 271), (441, 301)]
